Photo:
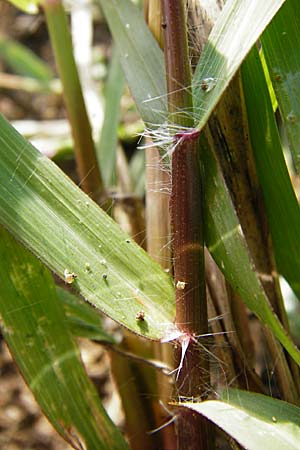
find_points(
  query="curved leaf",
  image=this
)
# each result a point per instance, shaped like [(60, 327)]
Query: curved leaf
[(68, 231), (33, 324), (226, 243), (256, 421), (238, 27)]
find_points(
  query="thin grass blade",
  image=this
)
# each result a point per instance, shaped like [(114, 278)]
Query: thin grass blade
[(137, 172), (281, 47), (107, 145), (141, 58), (280, 200), (226, 243), (23, 61)]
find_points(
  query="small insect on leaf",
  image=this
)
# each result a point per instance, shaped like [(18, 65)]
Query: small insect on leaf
[(140, 316), (69, 276), (207, 84)]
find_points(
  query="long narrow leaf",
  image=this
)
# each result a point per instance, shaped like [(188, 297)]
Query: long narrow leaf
[(23, 61), (226, 243), (107, 146), (254, 420), (70, 233), (28, 6), (280, 200), (141, 58), (238, 27), (33, 324), (281, 46)]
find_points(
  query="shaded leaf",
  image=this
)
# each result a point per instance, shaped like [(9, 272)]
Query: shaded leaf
[(107, 146), (23, 61), (281, 47), (141, 58), (82, 319), (280, 200), (33, 325), (137, 172), (226, 243)]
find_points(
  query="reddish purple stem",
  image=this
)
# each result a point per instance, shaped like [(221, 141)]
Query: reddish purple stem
[(187, 135)]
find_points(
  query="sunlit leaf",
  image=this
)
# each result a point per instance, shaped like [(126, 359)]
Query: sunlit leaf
[(28, 6), (255, 421), (70, 233), (238, 27)]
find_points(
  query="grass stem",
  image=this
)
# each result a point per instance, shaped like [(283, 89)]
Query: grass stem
[(87, 165), (186, 206)]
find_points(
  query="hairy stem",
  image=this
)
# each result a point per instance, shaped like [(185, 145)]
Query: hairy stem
[(188, 240), (186, 208), (193, 376)]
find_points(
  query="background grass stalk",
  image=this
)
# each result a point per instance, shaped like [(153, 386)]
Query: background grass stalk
[(158, 231), (187, 227), (87, 166), (137, 385)]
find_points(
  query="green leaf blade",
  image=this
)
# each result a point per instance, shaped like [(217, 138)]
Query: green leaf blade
[(141, 58), (226, 243), (82, 319), (33, 324), (238, 27), (280, 200), (67, 230), (281, 47), (28, 6), (23, 61), (256, 421), (107, 146)]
